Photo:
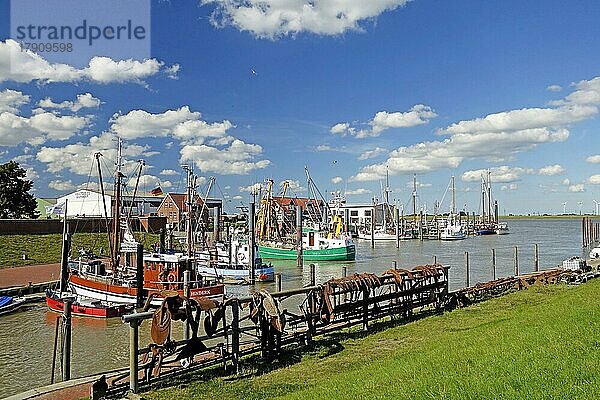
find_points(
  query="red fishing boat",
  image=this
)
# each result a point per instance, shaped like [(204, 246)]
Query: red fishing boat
[(85, 307), (119, 279)]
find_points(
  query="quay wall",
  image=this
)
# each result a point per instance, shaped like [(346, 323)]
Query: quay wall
[(80, 225)]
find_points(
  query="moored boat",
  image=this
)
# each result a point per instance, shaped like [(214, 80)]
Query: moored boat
[(84, 307), (502, 228), (9, 304), (452, 231)]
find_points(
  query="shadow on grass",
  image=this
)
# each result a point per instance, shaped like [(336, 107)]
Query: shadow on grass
[(321, 347)]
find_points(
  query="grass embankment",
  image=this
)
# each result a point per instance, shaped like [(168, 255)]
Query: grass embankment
[(543, 343), (46, 249)]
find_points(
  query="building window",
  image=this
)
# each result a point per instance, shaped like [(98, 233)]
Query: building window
[(367, 213), (354, 213)]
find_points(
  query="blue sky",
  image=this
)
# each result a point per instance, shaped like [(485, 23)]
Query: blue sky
[(427, 87)]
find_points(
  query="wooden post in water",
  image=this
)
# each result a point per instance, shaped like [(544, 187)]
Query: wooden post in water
[(494, 264), (373, 222), (251, 241), (54, 349), (66, 354), (434, 260), (467, 268), (516, 261), (583, 238), (133, 355), (278, 282), (235, 334), (299, 236), (395, 264), (139, 276), (536, 258)]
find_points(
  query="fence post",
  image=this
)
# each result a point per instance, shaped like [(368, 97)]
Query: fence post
[(66, 367), (494, 264), (536, 258), (516, 261), (467, 267), (133, 355), (235, 334)]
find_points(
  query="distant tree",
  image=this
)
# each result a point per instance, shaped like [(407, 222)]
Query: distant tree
[(15, 199)]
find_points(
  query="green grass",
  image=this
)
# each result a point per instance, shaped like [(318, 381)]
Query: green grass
[(543, 343), (45, 249)]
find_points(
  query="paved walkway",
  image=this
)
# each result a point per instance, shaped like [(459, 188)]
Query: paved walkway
[(21, 276)]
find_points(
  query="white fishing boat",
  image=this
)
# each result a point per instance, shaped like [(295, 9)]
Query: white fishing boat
[(230, 262), (378, 235), (502, 228), (452, 231)]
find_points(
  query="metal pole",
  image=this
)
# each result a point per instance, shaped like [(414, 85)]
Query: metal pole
[(186, 293), (494, 264), (536, 259), (251, 241), (467, 267), (278, 282), (139, 277), (133, 356), (216, 224), (67, 341), (313, 275), (516, 261), (299, 236)]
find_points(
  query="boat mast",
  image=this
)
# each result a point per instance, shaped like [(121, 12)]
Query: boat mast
[(188, 202), (414, 198), (489, 195), (117, 209), (482, 199), (453, 199)]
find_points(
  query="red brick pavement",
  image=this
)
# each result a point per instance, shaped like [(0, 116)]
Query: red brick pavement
[(21, 276)]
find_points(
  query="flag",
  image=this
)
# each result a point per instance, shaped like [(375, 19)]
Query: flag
[(157, 191)]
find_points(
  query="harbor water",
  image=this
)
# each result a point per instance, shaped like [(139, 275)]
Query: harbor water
[(101, 345)]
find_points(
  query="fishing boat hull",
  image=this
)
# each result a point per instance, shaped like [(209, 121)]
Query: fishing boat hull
[(56, 304), (81, 286), (238, 275), (10, 304), (345, 253), (483, 232), (378, 236)]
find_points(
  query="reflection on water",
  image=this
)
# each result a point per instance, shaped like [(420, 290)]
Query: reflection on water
[(26, 356)]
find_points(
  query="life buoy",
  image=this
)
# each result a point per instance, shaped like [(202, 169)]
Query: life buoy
[(171, 278)]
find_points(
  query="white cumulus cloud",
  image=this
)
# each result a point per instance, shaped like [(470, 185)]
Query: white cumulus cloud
[(552, 170), (383, 120), (239, 158), (85, 100), (61, 186), (594, 180), (336, 180), (12, 100), (595, 159), (26, 66), (376, 152), (276, 18), (577, 188)]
